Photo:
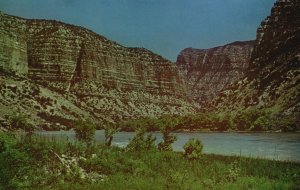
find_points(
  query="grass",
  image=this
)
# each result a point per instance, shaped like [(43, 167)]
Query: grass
[(39, 162)]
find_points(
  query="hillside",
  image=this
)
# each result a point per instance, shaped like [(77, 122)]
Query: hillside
[(208, 71), (57, 72), (273, 79)]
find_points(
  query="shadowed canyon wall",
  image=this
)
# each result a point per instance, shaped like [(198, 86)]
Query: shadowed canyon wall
[(273, 79), (208, 71)]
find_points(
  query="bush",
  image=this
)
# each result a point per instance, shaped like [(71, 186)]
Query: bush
[(168, 140), (176, 180), (223, 124), (233, 172), (20, 121), (261, 124), (109, 132), (139, 143), (193, 149), (287, 124), (14, 163), (7, 140), (84, 130), (244, 120)]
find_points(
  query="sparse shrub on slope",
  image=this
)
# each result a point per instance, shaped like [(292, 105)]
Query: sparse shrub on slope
[(20, 121)]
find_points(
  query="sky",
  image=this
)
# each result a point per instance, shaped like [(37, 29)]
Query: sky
[(163, 26)]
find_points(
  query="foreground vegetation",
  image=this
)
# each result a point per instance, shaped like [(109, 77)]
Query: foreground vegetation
[(37, 162)]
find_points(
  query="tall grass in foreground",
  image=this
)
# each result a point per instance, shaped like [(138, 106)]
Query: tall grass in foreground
[(39, 162)]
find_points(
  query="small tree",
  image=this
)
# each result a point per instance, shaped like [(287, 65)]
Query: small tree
[(108, 133), (139, 143), (168, 140), (193, 149), (84, 130)]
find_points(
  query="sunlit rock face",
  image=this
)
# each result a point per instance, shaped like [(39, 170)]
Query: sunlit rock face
[(73, 54), (13, 45), (208, 71), (60, 53), (273, 78), (103, 79)]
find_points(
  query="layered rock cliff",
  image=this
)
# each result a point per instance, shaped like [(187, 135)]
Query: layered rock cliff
[(13, 44), (99, 78), (208, 71), (65, 54), (273, 80), (58, 72), (71, 54)]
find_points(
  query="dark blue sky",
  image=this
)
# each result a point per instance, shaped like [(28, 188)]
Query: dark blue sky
[(163, 26)]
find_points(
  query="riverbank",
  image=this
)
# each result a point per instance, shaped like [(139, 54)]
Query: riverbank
[(40, 162), (279, 146)]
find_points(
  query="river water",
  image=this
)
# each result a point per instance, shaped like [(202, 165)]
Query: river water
[(278, 146)]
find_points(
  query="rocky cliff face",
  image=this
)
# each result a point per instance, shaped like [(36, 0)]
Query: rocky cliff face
[(208, 71), (58, 73), (274, 74), (70, 55), (13, 45), (65, 54), (103, 79)]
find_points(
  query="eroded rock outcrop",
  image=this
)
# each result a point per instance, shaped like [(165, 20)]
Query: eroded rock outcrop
[(13, 45), (71, 54), (98, 78), (273, 80), (60, 53), (208, 71)]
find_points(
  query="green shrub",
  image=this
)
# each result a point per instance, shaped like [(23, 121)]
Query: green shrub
[(261, 124), (168, 140), (84, 130), (244, 119), (193, 149), (288, 124), (20, 121), (233, 172), (7, 140), (139, 143), (36, 148), (14, 164), (176, 180), (108, 133), (167, 122)]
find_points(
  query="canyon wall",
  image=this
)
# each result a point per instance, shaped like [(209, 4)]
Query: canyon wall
[(70, 55), (71, 65), (13, 45), (273, 79), (60, 53), (58, 73), (208, 71)]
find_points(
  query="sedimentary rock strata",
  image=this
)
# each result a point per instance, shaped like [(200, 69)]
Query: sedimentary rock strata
[(273, 79), (98, 76), (208, 71)]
